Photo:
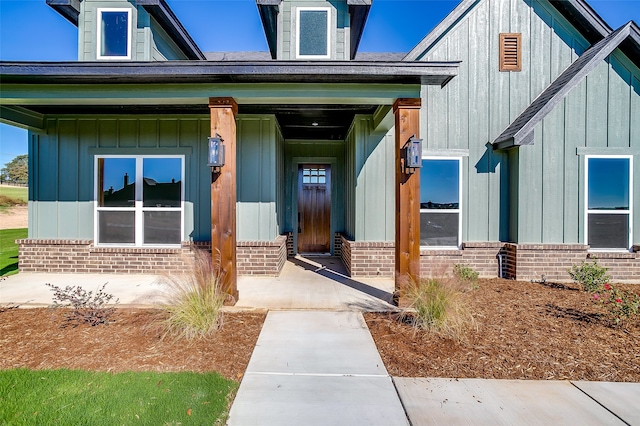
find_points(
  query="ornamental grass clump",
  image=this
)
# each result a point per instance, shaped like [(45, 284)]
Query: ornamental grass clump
[(591, 276), (436, 306), (195, 299)]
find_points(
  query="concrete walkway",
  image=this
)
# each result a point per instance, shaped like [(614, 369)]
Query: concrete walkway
[(316, 368)]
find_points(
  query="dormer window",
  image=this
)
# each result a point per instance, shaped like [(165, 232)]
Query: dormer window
[(313, 33), (114, 34)]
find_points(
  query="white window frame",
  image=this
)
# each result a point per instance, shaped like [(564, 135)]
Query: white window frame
[(458, 210), (138, 208), (298, 35), (99, 33), (628, 212)]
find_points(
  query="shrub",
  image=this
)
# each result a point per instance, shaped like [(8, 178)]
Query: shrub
[(621, 304), (466, 274), (195, 299), (86, 307), (590, 276), (438, 308)]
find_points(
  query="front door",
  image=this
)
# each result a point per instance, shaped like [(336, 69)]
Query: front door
[(314, 208)]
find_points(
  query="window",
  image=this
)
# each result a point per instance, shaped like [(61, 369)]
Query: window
[(139, 200), (114, 34), (609, 197), (312, 32), (314, 175), (510, 52), (440, 189)]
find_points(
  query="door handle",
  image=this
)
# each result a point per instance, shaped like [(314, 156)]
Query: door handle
[(299, 228)]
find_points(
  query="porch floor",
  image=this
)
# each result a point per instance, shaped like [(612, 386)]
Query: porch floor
[(305, 283), (315, 282)]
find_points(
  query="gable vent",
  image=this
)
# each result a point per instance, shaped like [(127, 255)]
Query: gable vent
[(510, 52)]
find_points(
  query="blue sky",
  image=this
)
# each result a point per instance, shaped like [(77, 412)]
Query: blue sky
[(32, 31)]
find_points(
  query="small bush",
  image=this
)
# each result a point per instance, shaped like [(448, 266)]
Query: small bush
[(194, 300), (590, 276), (87, 308), (438, 308), (466, 274), (621, 304)]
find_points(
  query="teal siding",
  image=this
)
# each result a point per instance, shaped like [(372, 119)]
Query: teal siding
[(534, 195), (370, 192), (257, 178)]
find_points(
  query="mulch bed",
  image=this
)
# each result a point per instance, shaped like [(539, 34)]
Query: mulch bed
[(524, 331), (43, 339)]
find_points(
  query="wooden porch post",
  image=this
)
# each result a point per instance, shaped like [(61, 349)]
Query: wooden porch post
[(407, 121), (223, 194)]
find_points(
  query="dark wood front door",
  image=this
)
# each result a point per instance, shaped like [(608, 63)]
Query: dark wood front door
[(314, 208)]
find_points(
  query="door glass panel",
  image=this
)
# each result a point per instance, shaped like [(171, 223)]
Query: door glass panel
[(116, 227), (313, 33), (161, 227), (116, 182), (162, 186)]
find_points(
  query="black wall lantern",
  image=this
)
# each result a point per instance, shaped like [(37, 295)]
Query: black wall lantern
[(413, 158), (216, 153)]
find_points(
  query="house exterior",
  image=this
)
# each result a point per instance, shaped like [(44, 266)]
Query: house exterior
[(528, 112)]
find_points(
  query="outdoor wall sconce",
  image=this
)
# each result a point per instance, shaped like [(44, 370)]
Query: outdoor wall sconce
[(216, 153), (413, 158)]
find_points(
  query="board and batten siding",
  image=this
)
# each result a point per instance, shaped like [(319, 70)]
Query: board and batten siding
[(532, 195), (370, 180), (340, 31), (62, 171), (258, 178)]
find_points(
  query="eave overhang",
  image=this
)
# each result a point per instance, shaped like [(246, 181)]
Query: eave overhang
[(69, 9), (169, 22), (429, 73)]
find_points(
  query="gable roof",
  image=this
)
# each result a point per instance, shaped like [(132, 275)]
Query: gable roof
[(358, 13), (577, 12), (520, 131), (159, 9)]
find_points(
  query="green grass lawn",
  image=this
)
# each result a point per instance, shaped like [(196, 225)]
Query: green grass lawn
[(19, 192), (9, 250), (66, 397)]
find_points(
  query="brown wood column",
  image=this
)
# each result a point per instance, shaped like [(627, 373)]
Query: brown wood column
[(407, 121), (223, 194)]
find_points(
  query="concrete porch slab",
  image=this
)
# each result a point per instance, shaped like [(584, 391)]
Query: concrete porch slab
[(498, 402), (622, 399), (315, 283)]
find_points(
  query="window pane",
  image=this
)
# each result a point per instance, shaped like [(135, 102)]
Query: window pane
[(114, 35), (609, 231), (162, 186), (439, 229), (161, 227), (313, 32), (116, 182), (116, 227), (440, 184), (608, 184)]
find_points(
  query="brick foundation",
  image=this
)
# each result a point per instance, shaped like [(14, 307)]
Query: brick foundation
[(262, 257), (81, 256), (368, 259), (361, 258)]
